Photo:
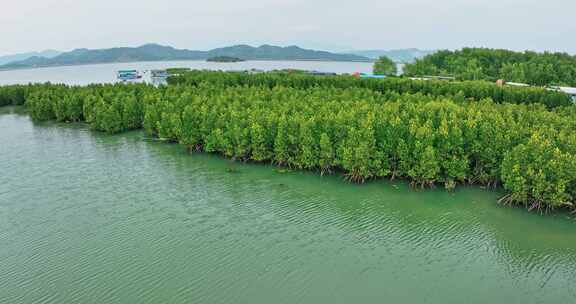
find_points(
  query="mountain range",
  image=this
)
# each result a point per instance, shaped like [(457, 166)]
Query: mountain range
[(156, 52), (23, 56), (400, 55)]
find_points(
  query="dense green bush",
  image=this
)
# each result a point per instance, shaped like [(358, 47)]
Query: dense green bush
[(362, 133), (540, 173), (12, 95), (385, 66), (476, 90), (109, 108), (423, 139), (540, 69)]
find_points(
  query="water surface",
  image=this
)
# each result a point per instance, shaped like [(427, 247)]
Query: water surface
[(92, 218), (105, 73)]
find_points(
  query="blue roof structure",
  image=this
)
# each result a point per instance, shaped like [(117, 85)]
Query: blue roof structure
[(363, 75)]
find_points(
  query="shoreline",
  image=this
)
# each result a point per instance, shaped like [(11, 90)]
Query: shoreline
[(499, 191), (181, 60)]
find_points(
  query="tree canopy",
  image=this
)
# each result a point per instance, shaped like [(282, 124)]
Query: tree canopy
[(476, 90), (385, 66), (540, 69), (364, 133)]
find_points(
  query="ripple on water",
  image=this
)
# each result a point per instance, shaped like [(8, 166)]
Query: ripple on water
[(92, 218)]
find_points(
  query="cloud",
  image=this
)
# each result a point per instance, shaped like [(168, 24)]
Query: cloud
[(66, 24)]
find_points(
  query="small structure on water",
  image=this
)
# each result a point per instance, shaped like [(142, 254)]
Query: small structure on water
[(159, 73), (155, 77), (128, 75), (159, 77), (366, 75)]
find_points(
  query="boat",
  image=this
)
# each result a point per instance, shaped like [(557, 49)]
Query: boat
[(159, 77), (128, 75)]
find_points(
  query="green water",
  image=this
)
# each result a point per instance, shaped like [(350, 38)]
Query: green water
[(92, 218)]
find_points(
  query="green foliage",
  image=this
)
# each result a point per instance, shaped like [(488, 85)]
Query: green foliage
[(539, 69), (364, 133), (177, 71), (260, 148), (326, 154), (385, 66), (475, 90), (109, 108), (367, 135), (13, 95), (540, 174), (224, 59)]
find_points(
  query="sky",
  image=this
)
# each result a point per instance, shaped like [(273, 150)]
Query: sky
[(335, 25)]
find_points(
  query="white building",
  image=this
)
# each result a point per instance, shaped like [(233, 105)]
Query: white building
[(567, 90)]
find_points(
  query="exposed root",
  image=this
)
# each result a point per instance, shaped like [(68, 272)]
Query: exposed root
[(493, 184), (534, 206), (194, 148), (422, 184), (506, 200), (279, 163), (326, 171), (354, 177), (530, 204)]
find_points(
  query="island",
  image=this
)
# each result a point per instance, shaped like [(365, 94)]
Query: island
[(156, 52), (224, 59)]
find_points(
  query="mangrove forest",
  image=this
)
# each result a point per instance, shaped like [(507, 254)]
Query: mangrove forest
[(430, 133), (539, 69)]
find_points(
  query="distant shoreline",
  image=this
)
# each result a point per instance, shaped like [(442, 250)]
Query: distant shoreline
[(175, 60)]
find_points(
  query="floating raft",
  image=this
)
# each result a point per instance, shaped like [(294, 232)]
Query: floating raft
[(127, 75)]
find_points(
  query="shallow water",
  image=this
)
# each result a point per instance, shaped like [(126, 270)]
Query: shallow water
[(93, 218)]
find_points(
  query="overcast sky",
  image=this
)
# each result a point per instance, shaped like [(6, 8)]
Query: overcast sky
[(32, 25)]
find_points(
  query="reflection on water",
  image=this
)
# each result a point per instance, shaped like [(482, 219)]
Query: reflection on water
[(93, 218)]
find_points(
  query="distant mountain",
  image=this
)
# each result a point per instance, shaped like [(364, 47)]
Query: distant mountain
[(155, 52), (400, 56), (23, 56), (270, 52), (148, 52)]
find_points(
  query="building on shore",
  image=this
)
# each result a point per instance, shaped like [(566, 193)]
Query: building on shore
[(568, 90), (365, 75), (159, 77), (428, 77)]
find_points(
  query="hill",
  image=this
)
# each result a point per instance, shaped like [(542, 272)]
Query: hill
[(155, 52), (23, 56), (224, 59), (270, 52)]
